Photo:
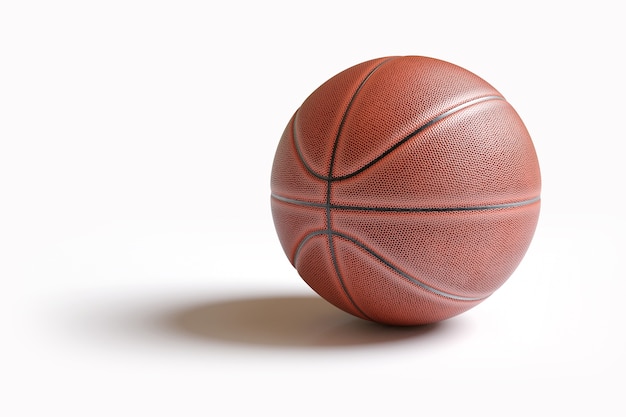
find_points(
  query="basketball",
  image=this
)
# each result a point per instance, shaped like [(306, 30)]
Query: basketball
[(405, 190)]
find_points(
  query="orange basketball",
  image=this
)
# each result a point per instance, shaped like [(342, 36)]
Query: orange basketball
[(405, 190)]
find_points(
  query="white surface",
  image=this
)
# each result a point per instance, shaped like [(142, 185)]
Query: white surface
[(140, 271)]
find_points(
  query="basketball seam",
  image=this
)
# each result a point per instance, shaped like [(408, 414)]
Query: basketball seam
[(405, 275), (385, 262), (329, 231), (345, 115), (299, 152), (334, 262), (396, 145), (406, 209), (306, 239), (295, 118), (414, 133)]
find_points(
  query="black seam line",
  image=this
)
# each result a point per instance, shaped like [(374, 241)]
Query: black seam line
[(403, 209), (336, 142), (340, 278), (384, 261), (306, 239), (407, 276), (295, 118), (331, 244), (299, 152), (345, 115), (329, 233), (417, 131)]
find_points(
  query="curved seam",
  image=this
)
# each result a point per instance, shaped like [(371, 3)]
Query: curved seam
[(299, 153), (406, 275), (335, 266), (406, 209), (416, 132), (341, 281), (306, 239), (294, 122), (331, 163), (329, 180), (345, 115)]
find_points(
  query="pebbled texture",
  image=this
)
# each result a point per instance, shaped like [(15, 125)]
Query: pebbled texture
[(405, 190)]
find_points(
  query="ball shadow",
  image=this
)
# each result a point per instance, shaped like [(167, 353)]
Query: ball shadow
[(288, 321)]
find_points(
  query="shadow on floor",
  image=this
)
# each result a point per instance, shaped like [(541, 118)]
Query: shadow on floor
[(289, 321)]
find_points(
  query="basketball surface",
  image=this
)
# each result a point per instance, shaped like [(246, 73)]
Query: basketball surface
[(405, 190)]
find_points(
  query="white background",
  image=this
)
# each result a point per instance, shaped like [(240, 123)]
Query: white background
[(140, 272)]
